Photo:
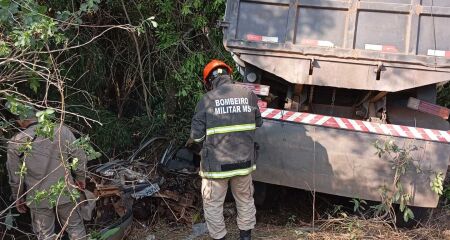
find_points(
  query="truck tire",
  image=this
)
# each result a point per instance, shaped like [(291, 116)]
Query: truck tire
[(267, 196), (259, 193)]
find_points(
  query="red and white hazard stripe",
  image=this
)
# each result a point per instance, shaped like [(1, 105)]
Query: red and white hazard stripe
[(320, 43), (259, 38), (427, 107), (438, 53), (357, 125), (258, 89), (381, 48)]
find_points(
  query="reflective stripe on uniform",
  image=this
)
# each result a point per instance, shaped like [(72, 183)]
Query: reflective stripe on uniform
[(231, 128), (228, 174), (197, 140)]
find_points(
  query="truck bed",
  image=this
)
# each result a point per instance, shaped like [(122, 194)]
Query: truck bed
[(384, 45)]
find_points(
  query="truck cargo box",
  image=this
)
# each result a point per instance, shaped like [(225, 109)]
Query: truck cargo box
[(385, 45), (343, 74)]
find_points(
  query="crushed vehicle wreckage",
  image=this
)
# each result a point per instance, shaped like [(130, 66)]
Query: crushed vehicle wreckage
[(158, 179)]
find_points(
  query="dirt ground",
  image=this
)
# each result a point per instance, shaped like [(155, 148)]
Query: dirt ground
[(289, 217), (336, 228)]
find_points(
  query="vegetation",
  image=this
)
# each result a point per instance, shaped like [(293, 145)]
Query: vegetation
[(133, 66), (116, 71), (402, 162)]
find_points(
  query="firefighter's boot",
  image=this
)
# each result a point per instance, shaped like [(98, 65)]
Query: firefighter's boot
[(245, 235)]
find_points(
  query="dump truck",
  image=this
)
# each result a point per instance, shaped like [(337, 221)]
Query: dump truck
[(336, 76)]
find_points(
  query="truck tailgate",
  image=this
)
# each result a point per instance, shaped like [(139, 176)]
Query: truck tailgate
[(338, 156), (385, 45)]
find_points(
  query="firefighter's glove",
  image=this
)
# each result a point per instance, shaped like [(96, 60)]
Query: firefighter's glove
[(21, 206), (189, 143), (81, 184)]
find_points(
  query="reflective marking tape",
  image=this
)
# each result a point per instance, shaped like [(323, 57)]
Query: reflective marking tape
[(407, 132), (253, 37), (415, 132), (325, 43), (278, 115), (323, 120), (272, 114), (308, 118), (423, 134), (294, 116), (431, 134), (373, 47), (267, 112), (320, 43), (382, 48), (369, 127), (427, 107), (258, 89), (438, 53), (200, 139), (229, 129), (445, 135), (385, 129), (357, 125), (259, 38), (270, 39), (228, 174), (400, 130), (340, 122), (286, 115)]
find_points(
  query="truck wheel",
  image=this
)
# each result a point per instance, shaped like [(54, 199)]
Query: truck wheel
[(259, 194), (267, 196)]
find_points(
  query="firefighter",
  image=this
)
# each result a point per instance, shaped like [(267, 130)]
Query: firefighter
[(43, 169), (225, 121)]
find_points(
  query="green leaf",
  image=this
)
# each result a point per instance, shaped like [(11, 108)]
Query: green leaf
[(436, 183), (74, 164), (408, 214), (34, 84), (84, 144), (5, 3), (42, 9), (4, 49), (396, 196), (109, 233), (402, 206), (49, 111), (186, 10)]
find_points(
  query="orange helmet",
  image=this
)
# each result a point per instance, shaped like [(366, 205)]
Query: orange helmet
[(211, 66)]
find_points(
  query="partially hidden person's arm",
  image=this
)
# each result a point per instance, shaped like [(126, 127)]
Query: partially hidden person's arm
[(198, 125), (16, 181), (13, 164), (78, 153), (258, 118)]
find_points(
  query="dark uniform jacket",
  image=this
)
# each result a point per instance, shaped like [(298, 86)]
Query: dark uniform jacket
[(225, 119)]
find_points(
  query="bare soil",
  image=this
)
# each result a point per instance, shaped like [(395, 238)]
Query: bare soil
[(290, 217)]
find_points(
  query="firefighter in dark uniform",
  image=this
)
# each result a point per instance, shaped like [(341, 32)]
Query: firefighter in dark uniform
[(225, 121)]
